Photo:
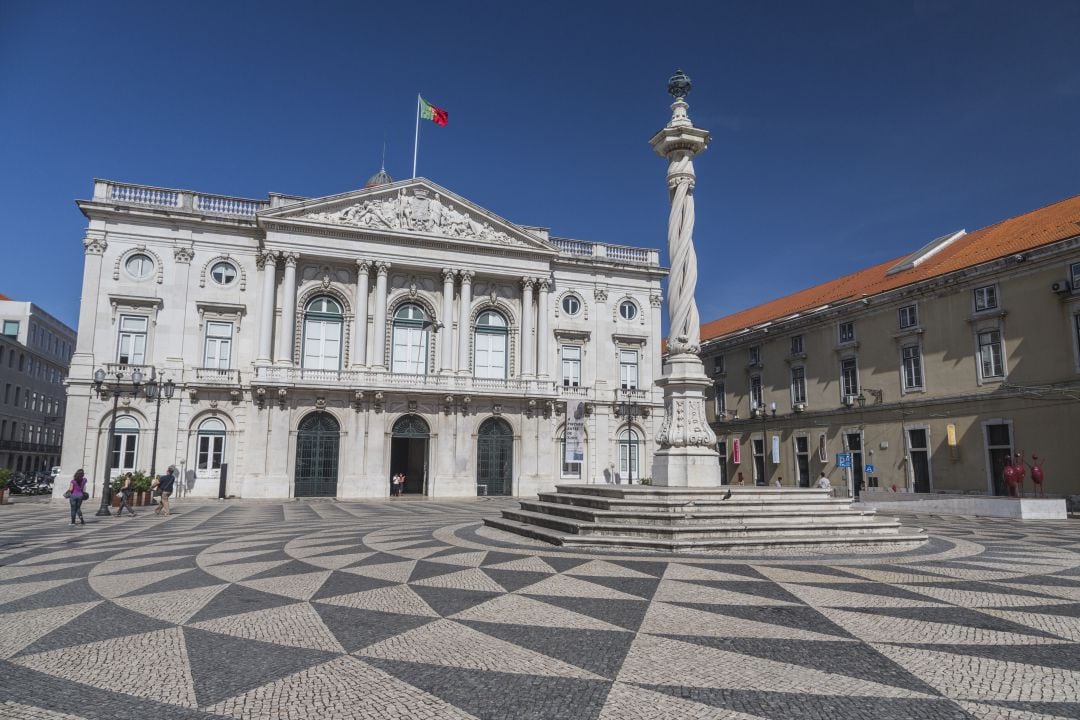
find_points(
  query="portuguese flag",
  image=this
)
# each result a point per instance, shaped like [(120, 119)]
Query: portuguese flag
[(430, 112)]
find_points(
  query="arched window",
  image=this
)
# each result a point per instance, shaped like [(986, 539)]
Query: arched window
[(323, 323), (125, 447), (629, 456), (490, 344), (410, 349), (210, 445)]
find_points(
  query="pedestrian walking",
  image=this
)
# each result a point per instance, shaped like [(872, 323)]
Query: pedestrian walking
[(75, 494), (126, 492), (401, 485), (165, 485)]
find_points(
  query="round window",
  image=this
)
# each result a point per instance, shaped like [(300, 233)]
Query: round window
[(628, 310), (571, 305), (139, 266), (223, 273)]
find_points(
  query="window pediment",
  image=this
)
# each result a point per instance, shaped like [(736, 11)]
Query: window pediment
[(136, 302), (220, 310)]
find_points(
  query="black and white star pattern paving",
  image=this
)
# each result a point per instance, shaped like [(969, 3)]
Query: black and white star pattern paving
[(414, 609)]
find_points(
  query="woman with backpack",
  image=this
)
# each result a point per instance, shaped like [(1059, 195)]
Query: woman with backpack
[(76, 494)]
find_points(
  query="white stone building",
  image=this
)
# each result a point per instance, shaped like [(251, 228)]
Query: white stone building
[(321, 345)]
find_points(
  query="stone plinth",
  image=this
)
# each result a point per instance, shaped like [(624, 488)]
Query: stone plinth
[(687, 456), (1028, 508)]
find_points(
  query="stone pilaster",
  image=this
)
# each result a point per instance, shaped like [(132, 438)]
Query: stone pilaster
[(360, 301), (288, 311)]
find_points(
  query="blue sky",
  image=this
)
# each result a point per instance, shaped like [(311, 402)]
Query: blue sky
[(844, 133)]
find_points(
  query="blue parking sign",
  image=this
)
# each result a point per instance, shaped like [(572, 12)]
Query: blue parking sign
[(868, 469), (843, 460)]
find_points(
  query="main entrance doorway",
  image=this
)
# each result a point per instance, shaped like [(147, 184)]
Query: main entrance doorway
[(409, 453), (495, 458), (317, 444)]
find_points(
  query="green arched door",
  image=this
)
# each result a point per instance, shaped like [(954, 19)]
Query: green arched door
[(317, 445)]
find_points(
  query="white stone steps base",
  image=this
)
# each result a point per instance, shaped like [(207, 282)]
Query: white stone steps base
[(904, 539), (736, 514)]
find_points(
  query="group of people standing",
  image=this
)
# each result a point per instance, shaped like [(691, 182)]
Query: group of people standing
[(77, 492), (397, 485)]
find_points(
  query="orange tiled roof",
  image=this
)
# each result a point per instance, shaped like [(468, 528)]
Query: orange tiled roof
[(1046, 225), (4, 297)]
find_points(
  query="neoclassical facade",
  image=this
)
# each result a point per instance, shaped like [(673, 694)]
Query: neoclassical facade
[(320, 346)]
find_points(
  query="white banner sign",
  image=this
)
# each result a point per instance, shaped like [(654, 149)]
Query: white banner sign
[(575, 432), (775, 449)]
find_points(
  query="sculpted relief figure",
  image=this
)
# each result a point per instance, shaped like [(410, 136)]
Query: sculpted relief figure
[(417, 213)]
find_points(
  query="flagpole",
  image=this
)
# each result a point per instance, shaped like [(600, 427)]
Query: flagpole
[(416, 138)]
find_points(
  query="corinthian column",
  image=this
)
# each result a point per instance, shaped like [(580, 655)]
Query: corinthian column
[(267, 260), (464, 308), (687, 454), (360, 331), (543, 344), (288, 311), (378, 354), (528, 348), (446, 330)]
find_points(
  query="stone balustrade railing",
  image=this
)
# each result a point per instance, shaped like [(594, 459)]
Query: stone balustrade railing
[(181, 200), (604, 251), (380, 380)]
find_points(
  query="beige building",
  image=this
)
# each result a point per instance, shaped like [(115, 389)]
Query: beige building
[(929, 369)]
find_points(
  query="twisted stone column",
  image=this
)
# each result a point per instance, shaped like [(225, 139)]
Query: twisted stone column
[(687, 454)]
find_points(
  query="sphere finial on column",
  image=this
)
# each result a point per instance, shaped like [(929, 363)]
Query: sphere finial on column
[(678, 85)]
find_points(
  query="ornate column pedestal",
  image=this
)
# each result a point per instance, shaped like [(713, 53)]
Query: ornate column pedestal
[(687, 455)]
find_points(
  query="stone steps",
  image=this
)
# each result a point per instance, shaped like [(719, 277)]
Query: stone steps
[(680, 519), (735, 515), (904, 539)]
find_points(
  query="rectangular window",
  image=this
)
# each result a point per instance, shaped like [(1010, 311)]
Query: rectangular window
[(986, 298), (132, 346), (758, 446), (911, 358), (798, 385), (1074, 276), (847, 332), (909, 316), (628, 369), (17, 390), (797, 345), (849, 376), (990, 355), (718, 364), (218, 345), (720, 402), (755, 393), (571, 365), (802, 460), (7, 393), (721, 450), (11, 328), (755, 355)]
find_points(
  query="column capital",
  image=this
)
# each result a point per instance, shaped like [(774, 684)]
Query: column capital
[(290, 258), (467, 275), (656, 300), (266, 257), (95, 244), (544, 284), (528, 283), (363, 266), (448, 274), (382, 268), (183, 254)]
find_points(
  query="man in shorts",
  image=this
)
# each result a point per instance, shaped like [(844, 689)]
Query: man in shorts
[(165, 486)]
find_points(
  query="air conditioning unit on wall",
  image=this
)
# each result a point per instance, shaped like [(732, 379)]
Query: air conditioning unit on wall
[(1061, 287), (849, 400), (799, 407)]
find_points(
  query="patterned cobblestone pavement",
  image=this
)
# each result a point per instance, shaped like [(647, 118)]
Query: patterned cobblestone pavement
[(412, 609)]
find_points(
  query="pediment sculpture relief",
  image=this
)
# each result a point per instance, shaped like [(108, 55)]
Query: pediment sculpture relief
[(416, 212)]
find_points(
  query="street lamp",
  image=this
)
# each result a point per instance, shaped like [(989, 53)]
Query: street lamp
[(157, 390), (117, 388), (629, 409)]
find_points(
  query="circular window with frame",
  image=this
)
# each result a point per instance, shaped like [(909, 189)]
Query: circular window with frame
[(139, 266), (223, 273), (628, 310), (571, 305)]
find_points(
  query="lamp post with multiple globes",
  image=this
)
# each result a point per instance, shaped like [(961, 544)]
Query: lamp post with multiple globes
[(117, 387)]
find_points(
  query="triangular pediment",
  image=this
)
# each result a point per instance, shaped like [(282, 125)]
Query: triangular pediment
[(411, 207)]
